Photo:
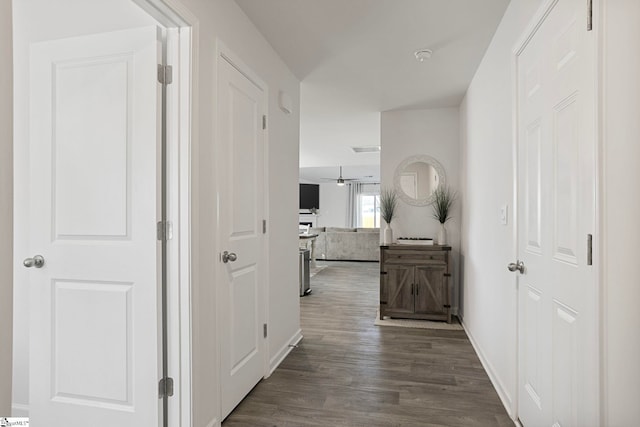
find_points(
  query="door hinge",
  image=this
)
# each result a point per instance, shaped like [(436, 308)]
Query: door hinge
[(165, 387), (165, 74), (589, 15), (264, 226), (264, 122), (264, 328), (165, 230), (589, 249)]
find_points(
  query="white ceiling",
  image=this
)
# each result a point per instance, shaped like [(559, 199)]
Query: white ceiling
[(355, 59)]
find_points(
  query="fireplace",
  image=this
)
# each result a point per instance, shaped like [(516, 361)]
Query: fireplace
[(308, 219)]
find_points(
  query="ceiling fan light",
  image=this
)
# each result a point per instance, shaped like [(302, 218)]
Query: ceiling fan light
[(340, 180)]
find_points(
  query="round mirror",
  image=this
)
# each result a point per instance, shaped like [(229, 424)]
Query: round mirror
[(416, 178)]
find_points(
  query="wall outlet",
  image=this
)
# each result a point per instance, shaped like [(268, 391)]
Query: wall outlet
[(504, 215)]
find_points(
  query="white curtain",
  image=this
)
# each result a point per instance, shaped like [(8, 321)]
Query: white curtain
[(353, 206)]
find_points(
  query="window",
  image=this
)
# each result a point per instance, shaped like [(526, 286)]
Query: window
[(369, 210)]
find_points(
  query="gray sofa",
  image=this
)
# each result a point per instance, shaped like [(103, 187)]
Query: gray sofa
[(347, 244)]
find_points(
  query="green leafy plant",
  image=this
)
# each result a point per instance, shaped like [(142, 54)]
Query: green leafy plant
[(443, 199), (388, 204)]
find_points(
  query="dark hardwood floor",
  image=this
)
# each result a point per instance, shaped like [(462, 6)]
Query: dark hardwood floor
[(348, 372)]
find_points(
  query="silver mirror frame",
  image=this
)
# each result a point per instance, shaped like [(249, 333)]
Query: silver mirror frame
[(413, 159)]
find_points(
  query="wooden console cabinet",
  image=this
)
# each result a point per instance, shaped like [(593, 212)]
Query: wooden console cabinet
[(415, 282)]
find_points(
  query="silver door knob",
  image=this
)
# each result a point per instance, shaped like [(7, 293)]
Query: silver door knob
[(37, 262), (516, 266), (228, 256)]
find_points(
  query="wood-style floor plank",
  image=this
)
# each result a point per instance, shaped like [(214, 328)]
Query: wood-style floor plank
[(349, 372)]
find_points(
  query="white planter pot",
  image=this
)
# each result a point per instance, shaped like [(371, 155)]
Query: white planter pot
[(387, 238), (442, 235)]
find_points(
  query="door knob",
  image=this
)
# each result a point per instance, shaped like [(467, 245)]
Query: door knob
[(37, 262), (228, 256), (516, 266)]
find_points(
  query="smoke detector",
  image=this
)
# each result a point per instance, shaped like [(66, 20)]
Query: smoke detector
[(423, 54)]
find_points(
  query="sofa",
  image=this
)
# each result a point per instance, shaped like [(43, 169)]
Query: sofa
[(347, 244)]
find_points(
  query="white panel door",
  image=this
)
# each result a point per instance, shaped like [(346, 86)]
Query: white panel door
[(558, 369), (241, 292), (94, 327)]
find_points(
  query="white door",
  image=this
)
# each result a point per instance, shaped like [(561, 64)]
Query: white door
[(558, 344), (241, 293), (94, 327)]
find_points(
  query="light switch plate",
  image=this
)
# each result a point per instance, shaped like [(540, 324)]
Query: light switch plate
[(504, 215)]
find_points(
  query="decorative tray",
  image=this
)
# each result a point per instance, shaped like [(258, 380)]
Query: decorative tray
[(415, 241)]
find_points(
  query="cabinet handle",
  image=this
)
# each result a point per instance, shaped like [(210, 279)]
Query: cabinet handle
[(412, 289), (417, 289)]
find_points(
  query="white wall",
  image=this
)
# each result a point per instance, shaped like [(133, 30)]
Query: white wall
[(434, 132), (221, 19), (6, 208), (333, 205), (621, 202)]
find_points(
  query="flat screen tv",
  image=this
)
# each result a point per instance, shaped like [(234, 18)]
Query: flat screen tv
[(309, 196)]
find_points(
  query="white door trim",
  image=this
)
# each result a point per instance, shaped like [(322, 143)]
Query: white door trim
[(222, 52), (599, 203), (182, 48), (535, 23)]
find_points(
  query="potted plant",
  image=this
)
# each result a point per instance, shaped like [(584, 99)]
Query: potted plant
[(388, 205), (443, 199)]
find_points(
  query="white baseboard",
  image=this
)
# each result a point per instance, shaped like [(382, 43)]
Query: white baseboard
[(214, 423), (504, 395), (284, 352), (19, 410)]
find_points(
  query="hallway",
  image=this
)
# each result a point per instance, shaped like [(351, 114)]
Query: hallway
[(348, 372)]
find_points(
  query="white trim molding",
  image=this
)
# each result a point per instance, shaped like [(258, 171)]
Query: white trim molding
[(284, 352), (505, 397), (19, 410), (182, 54)]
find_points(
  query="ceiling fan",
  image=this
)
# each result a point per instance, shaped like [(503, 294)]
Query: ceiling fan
[(340, 180)]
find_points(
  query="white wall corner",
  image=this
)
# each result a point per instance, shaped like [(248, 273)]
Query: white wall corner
[(505, 397), (284, 352)]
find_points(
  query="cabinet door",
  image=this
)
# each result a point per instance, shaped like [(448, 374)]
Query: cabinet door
[(399, 289), (432, 293)]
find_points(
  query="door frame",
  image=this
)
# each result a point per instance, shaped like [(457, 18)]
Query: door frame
[(222, 52), (182, 48), (534, 24)]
